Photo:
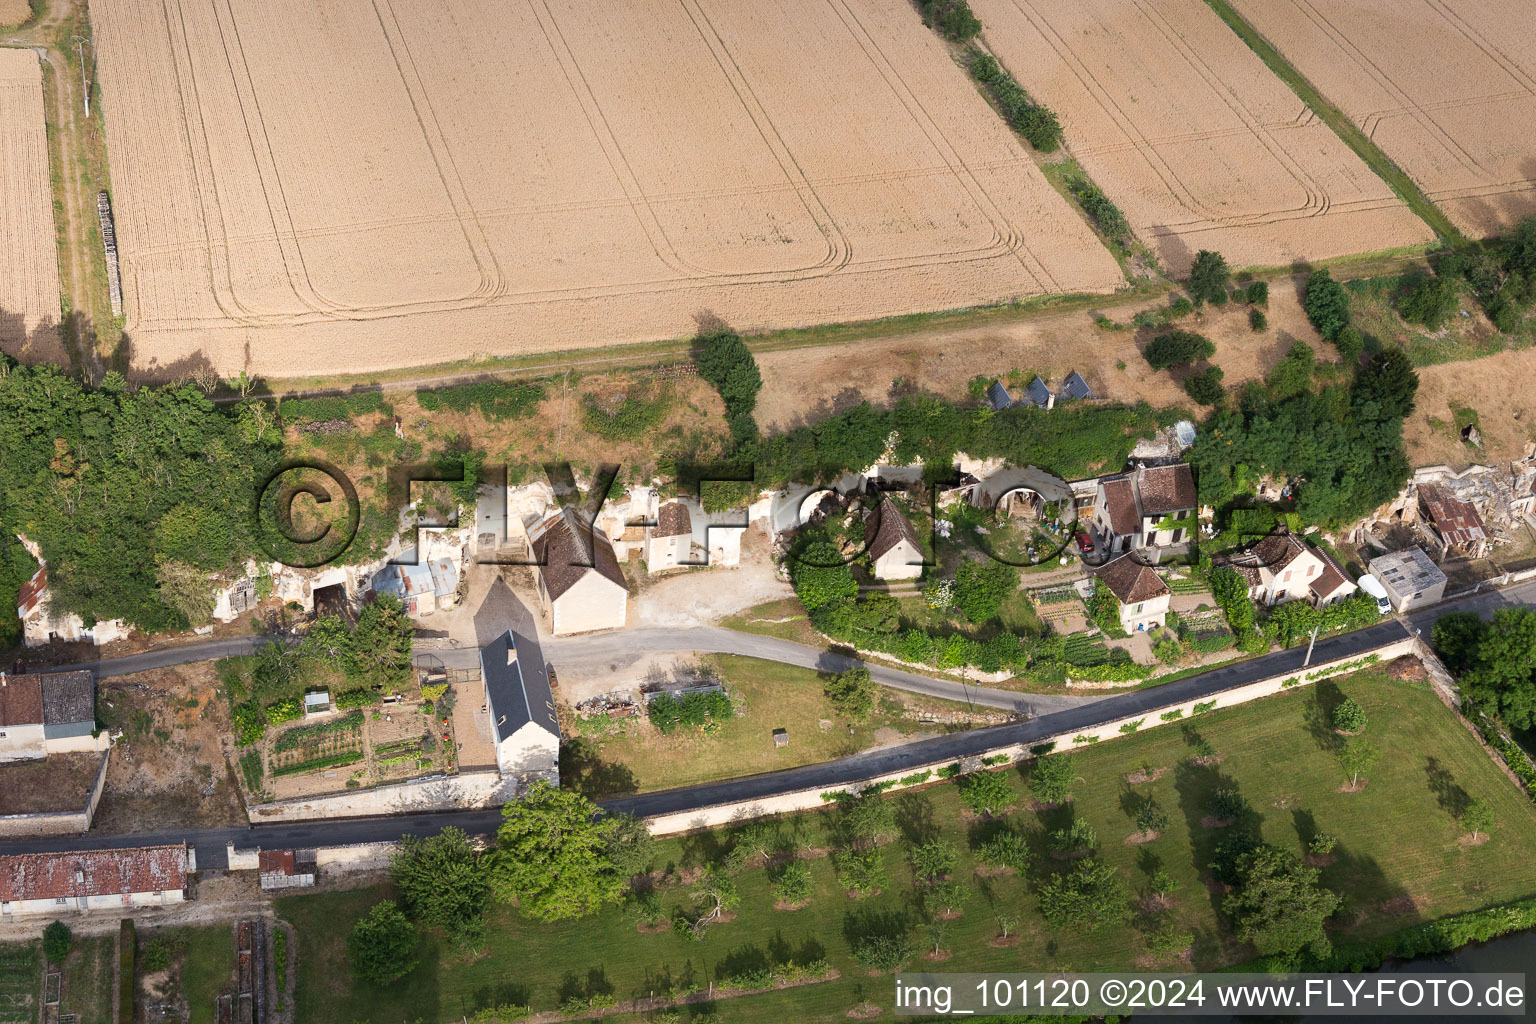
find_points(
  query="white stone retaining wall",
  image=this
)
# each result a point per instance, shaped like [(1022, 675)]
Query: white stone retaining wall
[(811, 799), (448, 792)]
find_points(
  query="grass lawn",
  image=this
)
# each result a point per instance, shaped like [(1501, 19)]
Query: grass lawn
[(1373, 311), (204, 963), (88, 978), (1397, 843), (768, 696)]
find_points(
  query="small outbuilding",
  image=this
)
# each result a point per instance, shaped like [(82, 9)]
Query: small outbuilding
[(1411, 578), (894, 551)]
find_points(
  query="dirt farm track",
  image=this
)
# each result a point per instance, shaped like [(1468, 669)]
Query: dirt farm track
[(307, 186)]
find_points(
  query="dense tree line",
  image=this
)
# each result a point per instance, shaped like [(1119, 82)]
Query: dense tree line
[(127, 491), (1343, 446)]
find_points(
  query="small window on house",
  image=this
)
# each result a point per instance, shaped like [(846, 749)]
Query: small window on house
[(62, 900), (2, 734), (1137, 611)]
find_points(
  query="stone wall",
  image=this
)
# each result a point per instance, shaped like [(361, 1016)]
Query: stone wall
[(445, 793)]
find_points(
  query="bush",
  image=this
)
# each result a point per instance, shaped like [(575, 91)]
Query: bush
[(725, 361), (953, 18), (1178, 348), (694, 710), (1429, 300), (1104, 214), (884, 953), (1228, 804), (495, 399), (1321, 844), (983, 67), (1349, 716), (1205, 386), (852, 693), (1327, 305), (1258, 293), (1004, 849), (793, 883), (1039, 125), (157, 956), (350, 699), (1257, 321), (57, 942), (1208, 278), (250, 724), (382, 945), (981, 587)]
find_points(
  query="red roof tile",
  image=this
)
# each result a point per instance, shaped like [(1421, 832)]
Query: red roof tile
[(1120, 503), (21, 700), (892, 528), (42, 876), (1456, 521), (1166, 489), (1131, 580)]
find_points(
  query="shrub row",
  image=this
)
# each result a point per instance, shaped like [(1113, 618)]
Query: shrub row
[(315, 764), (495, 399), (297, 737), (1038, 124)]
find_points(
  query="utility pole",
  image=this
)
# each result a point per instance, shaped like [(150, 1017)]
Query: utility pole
[(1310, 643), (85, 82)]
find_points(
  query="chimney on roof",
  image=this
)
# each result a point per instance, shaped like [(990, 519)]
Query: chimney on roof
[(511, 654)]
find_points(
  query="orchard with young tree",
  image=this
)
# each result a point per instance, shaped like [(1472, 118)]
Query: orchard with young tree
[(382, 945)]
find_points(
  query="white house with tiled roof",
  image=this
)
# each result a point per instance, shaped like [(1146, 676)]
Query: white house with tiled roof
[(1282, 567), (894, 551), (1142, 594), (669, 539), (58, 883), (581, 584)]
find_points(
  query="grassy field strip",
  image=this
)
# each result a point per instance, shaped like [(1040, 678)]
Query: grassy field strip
[(1399, 863), (1342, 126)]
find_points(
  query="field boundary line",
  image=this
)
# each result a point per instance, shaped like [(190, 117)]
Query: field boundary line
[(1397, 180)]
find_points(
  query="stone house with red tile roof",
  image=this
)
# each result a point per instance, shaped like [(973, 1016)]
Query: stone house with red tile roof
[(669, 541), (1282, 567), (82, 881), (894, 551), (580, 582), (1142, 594)]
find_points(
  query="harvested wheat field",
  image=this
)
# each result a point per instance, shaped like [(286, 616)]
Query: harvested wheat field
[(308, 186), (29, 259), (14, 12), (1186, 129), (1447, 90)]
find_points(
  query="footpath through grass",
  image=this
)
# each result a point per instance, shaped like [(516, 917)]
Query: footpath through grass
[(1342, 126), (1398, 863)]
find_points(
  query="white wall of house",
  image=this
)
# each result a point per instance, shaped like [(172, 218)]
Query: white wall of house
[(1144, 614), (902, 562), (83, 904), (532, 750), (594, 602), (77, 744), (1292, 582), (22, 742), (662, 553)]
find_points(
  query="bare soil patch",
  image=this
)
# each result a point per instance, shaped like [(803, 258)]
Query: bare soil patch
[(1408, 670), (57, 783), (29, 265), (1003, 941), (797, 905), (1354, 787), (995, 871), (937, 956), (1155, 904), (1399, 905), (1318, 860), (1208, 762), (1211, 821), (865, 1011), (1497, 386), (1186, 129), (1141, 838), (1450, 132), (1468, 839), (169, 769), (1140, 776), (655, 160), (653, 927)]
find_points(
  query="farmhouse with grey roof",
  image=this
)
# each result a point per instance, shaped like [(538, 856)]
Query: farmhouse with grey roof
[(524, 726)]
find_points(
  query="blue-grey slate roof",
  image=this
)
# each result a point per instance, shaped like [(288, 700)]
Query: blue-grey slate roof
[(517, 689), (1075, 387)]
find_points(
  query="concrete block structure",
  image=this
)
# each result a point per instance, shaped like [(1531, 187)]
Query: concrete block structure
[(1411, 578)]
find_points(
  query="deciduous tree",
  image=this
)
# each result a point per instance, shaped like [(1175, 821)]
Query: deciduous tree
[(382, 945)]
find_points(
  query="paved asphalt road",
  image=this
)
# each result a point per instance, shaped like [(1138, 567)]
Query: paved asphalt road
[(209, 843), (1079, 714)]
